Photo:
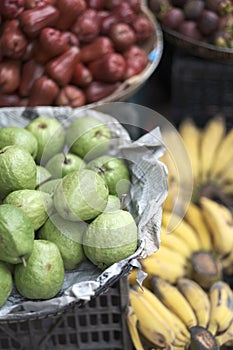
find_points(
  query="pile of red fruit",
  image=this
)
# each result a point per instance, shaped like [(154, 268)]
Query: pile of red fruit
[(69, 52), (210, 21)]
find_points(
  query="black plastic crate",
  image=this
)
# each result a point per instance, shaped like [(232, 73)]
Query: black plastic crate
[(100, 324), (200, 89)]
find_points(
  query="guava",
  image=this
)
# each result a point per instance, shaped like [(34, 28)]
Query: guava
[(49, 186), (113, 203), (62, 164), (50, 136), (88, 137), (6, 283), (114, 172), (42, 175), (81, 195), (43, 276), (16, 234), (68, 237), (17, 170), (17, 136), (110, 237), (36, 204)]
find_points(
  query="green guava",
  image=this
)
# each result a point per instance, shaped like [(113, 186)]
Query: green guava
[(81, 195), (36, 204), (50, 136), (42, 175), (16, 234), (88, 137), (110, 237), (62, 164), (17, 136), (68, 237), (113, 203), (17, 170), (114, 172), (43, 276), (6, 283), (49, 186)]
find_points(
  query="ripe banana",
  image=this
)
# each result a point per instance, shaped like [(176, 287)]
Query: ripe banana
[(226, 178), (212, 136), (169, 255), (223, 156), (221, 302), (172, 241), (150, 323), (227, 263), (154, 266), (195, 219), (226, 336), (174, 300), (132, 322), (197, 298), (182, 229), (175, 323), (191, 136), (219, 220)]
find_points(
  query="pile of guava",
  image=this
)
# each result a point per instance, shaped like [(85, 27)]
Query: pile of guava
[(61, 202)]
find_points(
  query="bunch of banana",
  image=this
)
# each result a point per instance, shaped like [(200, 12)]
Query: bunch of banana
[(181, 316)]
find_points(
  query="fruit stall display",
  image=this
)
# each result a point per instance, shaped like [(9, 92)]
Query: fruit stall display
[(186, 299), (75, 52), (204, 28)]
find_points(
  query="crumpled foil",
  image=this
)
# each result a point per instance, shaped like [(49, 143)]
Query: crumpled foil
[(147, 194)]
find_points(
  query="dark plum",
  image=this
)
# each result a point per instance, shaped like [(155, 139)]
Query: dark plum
[(158, 7), (173, 18), (193, 9), (189, 29), (208, 22)]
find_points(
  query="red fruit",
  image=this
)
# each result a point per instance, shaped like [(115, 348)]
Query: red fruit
[(98, 90), (9, 100), (96, 4), (10, 9), (13, 41), (70, 96), (107, 22), (31, 71), (9, 76), (143, 28), (52, 42), (69, 11), (43, 93), (122, 36), (96, 49), (81, 75), (124, 13), (87, 26)]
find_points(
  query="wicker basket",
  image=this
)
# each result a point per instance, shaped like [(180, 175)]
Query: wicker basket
[(100, 324)]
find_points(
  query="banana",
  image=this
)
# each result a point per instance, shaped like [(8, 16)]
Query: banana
[(132, 322), (174, 300), (219, 220), (175, 323), (191, 136), (170, 271), (221, 302), (227, 263), (150, 323), (223, 156), (227, 188), (182, 229), (176, 243), (212, 136), (226, 336), (195, 219), (197, 298), (226, 178), (169, 255)]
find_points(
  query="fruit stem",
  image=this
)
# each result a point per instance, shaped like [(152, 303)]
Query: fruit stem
[(22, 258)]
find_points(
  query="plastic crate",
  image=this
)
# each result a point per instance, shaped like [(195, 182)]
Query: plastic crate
[(200, 89), (100, 324)]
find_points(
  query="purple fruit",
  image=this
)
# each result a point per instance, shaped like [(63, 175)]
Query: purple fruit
[(208, 22), (193, 9), (179, 3), (189, 28), (173, 18), (222, 7), (159, 6)]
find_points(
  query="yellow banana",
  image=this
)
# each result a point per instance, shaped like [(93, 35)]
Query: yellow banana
[(227, 188), (226, 336), (197, 298), (220, 223), (132, 322), (223, 156), (150, 323), (191, 136), (195, 219), (226, 178), (227, 263), (174, 300), (175, 323), (212, 136), (176, 243), (182, 229), (168, 270), (221, 302), (132, 278), (169, 255)]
